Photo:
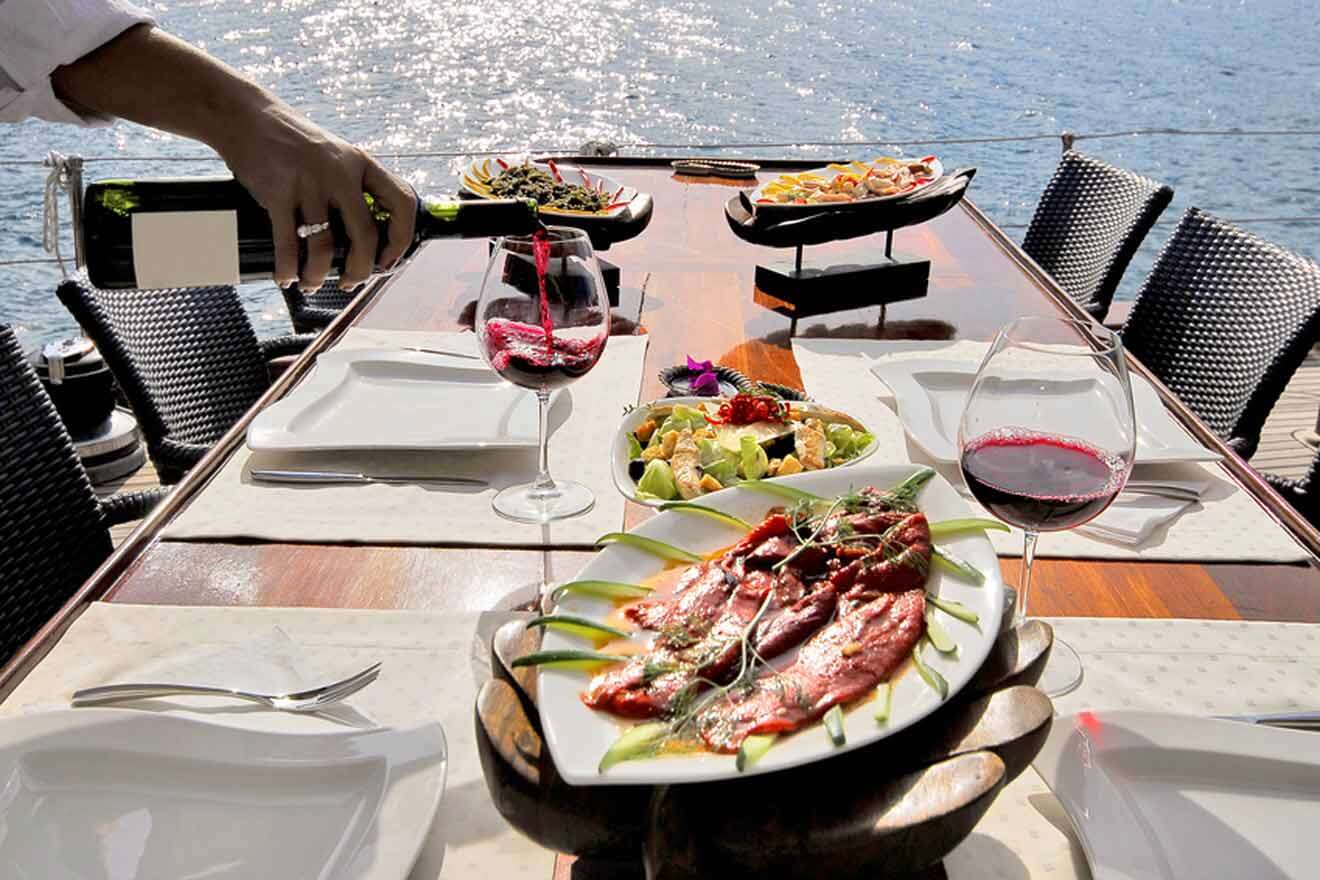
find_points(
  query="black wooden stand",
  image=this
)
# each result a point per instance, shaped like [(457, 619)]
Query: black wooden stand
[(800, 289)]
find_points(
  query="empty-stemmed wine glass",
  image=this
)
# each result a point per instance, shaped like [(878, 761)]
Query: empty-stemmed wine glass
[(1047, 441), (542, 321)]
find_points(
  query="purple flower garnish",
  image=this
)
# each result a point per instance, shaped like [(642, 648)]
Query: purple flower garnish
[(705, 384)]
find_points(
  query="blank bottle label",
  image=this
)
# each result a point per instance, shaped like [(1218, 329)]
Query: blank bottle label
[(185, 248)]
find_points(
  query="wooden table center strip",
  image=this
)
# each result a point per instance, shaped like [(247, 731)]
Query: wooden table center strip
[(687, 281)]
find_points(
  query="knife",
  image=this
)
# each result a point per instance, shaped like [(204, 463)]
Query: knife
[(1290, 720), (266, 475)]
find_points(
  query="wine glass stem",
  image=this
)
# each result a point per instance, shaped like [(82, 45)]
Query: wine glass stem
[(543, 481), (1024, 583)]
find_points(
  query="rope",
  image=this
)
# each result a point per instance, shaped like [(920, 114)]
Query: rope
[(752, 145), (57, 182)]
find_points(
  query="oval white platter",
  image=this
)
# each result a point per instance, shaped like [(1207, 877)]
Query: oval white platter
[(578, 736), (619, 446), (480, 171), (827, 173)]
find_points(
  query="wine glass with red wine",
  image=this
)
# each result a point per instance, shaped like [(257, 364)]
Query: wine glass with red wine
[(1047, 441), (542, 321)]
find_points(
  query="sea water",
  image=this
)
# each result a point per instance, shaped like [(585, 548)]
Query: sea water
[(441, 75)]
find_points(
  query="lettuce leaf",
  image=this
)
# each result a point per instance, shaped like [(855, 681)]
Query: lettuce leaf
[(753, 459), (634, 447), (725, 470), (658, 481)]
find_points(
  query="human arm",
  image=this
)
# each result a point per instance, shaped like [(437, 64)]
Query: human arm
[(297, 171)]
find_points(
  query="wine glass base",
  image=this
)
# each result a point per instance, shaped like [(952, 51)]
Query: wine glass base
[(530, 504), (1063, 671)]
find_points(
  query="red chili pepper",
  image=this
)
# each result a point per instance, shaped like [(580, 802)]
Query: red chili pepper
[(927, 160), (618, 192), (500, 162), (921, 180), (744, 409), (586, 181), (613, 205), (554, 169), (765, 201)]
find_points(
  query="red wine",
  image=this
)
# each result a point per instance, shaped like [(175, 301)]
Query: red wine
[(116, 245), (1036, 481), (527, 355)]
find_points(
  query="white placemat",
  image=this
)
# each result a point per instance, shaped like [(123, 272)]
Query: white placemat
[(1228, 525), (1194, 667), (430, 672), (231, 506)]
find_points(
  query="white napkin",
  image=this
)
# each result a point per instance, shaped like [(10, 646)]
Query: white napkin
[(1135, 516), (267, 663)]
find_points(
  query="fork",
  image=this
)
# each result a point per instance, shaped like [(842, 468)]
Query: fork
[(309, 700)]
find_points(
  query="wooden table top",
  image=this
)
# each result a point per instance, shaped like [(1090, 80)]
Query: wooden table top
[(687, 281)]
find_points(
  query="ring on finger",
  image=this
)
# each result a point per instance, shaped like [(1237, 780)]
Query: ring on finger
[(307, 230)]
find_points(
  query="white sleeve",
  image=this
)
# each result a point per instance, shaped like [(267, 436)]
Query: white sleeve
[(37, 36)]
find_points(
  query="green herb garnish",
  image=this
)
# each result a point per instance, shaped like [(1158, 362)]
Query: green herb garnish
[(600, 590), (641, 741), (718, 515), (753, 748), (583, 660), (578, 626), (954, 609), (649, 545), (834, 725), (954, 565), (950, 527), (929, 675), (884, 695)]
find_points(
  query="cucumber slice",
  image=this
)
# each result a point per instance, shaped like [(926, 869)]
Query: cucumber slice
[(834, 725), (650, 545), (954, 609), (583, 660), (579, 626), (718, 515), (884, 698), (637, 742), (754, 748), (939, 637), (954, 565), (950, 527), (787, 492), (929, 675), (601, 590), (909, 488)]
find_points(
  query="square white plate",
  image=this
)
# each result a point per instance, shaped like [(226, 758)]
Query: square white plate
[(1169, 797), (931, 395), (579, 736), (131, 795), (369, 399)]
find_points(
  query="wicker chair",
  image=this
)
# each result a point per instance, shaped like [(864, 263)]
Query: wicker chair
[(53, 529), (312, 312), (186, 359), (1303, 494), (1225, 319), (1089, 222)]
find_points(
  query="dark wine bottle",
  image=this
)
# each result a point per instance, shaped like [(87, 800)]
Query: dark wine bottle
[(200, 231)]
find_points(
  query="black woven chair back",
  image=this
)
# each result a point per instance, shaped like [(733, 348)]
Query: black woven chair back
[(1301, 494), (1225, 319), (186, 358), (313, 311), (1089, 222), (52, 536)]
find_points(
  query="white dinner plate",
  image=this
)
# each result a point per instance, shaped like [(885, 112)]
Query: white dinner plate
[(1169, 797), (931, 395), (387, 399), (579, 736), (619, 448), (132, 795)]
